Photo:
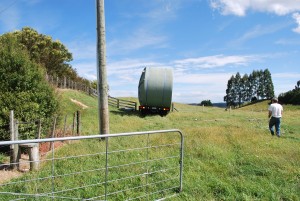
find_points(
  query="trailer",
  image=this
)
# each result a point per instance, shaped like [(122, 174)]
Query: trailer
[(155, 90)]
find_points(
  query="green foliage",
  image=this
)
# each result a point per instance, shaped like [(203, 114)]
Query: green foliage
[(290, 97), (22, 86), (258, 85), (52, 55), (206, 103)]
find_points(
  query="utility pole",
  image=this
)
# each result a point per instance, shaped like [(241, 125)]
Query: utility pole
[(101, 70)]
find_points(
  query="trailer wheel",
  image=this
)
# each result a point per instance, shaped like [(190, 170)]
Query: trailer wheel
[(163, 113)]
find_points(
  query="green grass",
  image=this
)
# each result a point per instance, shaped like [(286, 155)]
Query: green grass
[(228, 155)]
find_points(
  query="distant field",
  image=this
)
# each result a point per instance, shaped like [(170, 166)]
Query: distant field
[(229, 155)]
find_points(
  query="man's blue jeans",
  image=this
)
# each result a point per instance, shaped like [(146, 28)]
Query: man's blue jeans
[(274, 122)]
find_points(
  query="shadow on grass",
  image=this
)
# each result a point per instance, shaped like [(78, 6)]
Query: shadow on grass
[(127, 112), (130, 112)]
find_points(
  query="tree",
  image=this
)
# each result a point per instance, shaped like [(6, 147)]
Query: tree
[(291, 97), (298, 85), (22, 86), (268, 92), (206, 103), (52, 55), (254, 83), (238, 88), (230, 92), (246, 95), (253, 87)]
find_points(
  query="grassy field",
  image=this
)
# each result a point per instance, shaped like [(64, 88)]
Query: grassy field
[(229, 155)]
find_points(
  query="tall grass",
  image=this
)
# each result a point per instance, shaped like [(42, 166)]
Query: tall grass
[(229, 155)]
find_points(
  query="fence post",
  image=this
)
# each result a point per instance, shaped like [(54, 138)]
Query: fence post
[(74, 122), (53, 134), (65, 126), (13, 136), (16, 146), (78, 123), (39, 129)]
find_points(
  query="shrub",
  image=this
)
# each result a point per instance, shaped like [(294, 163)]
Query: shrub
[(22, 86)]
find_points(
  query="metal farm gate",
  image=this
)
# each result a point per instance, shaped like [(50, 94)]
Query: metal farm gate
[(125, 166)]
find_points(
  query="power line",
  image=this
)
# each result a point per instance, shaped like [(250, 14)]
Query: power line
[(10, 5)]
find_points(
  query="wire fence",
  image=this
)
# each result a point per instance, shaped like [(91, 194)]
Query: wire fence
[(68, 83), (124, 166)]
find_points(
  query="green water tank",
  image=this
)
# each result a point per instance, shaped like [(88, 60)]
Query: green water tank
[(155, 87)]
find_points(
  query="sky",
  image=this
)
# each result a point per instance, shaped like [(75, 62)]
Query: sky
[(205, 42)]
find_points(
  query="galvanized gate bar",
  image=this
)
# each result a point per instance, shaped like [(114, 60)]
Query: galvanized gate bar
[(91, 137), (106, 137)]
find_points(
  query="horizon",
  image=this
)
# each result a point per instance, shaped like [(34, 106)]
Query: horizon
[(204, 42)]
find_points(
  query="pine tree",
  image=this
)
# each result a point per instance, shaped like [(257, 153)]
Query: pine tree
[(238, 88), (229, 99), (258, 85), (269, 87)]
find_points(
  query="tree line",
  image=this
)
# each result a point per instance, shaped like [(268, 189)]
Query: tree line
[(26, 56), (256, 86), (292, 96)]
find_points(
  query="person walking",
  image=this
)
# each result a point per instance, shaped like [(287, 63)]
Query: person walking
[(275, 114)]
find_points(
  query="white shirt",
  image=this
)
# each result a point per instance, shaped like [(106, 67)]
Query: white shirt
[(276, 110)]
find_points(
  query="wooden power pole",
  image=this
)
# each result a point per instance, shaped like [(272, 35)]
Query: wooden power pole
[(101, 70)]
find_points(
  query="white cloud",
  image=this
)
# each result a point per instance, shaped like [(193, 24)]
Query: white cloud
[(259, 31), (284, 82), (86, 69), (139, 39), (207, 78), (81, 49), (191, 87), (195, 93), (215, 61), (286, 75), (296, 16), (229, 7), (240, 7)]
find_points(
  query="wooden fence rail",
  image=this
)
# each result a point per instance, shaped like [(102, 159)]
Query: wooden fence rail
[(67, 83), (119, 103)]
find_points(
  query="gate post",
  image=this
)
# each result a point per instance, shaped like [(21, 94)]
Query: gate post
[(14, 149)]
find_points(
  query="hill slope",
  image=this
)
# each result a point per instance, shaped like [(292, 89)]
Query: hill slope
[(229, 155)]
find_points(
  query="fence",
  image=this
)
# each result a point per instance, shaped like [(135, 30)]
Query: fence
[(124, 166), (119, 103), (41, 129), (67, 83)]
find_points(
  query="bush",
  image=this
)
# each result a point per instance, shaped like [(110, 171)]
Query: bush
[(22, 86), (206, 103), (290, 97)]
